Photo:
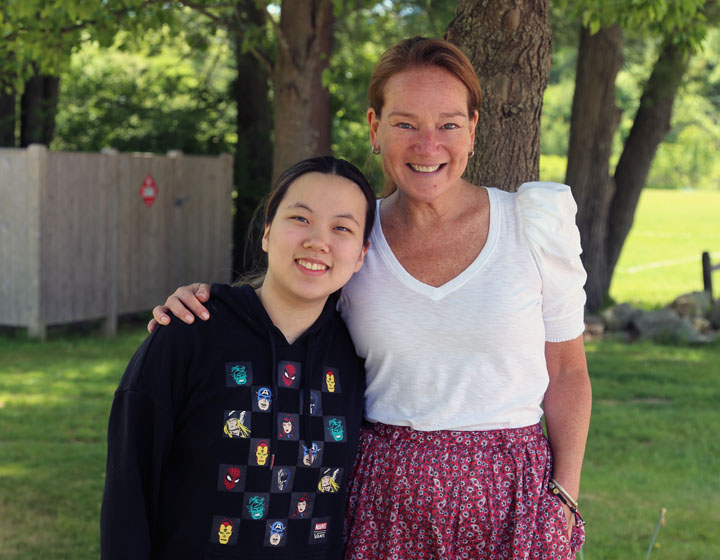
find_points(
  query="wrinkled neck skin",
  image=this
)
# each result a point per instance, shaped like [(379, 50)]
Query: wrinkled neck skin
[(292, 317), (422, 214)]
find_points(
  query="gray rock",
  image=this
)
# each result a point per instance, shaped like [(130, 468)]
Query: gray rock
[(619, 317), (666, 326), (694, 304)]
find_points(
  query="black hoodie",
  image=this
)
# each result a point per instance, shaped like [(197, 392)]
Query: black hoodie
[(227, 442)]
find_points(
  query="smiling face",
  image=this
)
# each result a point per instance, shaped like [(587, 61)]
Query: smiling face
[(315, 241), (424, 132)]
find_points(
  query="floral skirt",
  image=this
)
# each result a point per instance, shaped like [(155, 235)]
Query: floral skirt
[(442, 495)]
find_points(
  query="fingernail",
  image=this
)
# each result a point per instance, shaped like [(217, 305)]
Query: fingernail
[(205, 316), (188, 318), (164, 320)]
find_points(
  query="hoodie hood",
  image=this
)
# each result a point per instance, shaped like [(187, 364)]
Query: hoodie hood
[(246, 305)]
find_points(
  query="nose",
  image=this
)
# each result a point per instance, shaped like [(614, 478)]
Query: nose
[(427, 141), (316, 242)]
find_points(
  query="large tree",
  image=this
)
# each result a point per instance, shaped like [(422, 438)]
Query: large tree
[(607, 199)]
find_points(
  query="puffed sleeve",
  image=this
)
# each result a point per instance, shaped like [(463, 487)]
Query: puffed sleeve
[(546, 213)]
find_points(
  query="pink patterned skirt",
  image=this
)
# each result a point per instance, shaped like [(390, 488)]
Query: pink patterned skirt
[(442, 495)]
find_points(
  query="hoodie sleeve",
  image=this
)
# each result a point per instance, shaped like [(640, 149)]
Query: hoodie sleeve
[(140, 434)]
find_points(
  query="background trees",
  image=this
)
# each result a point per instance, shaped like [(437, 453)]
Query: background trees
[(274, 82)]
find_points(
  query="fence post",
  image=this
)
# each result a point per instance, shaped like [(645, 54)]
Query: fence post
[(707, 269), (111, 319), (37, 191)]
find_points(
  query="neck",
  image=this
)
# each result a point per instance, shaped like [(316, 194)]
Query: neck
[(422, 213), (292, 317)]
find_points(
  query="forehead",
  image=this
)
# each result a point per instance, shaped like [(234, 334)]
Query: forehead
[(426, 87), (325, 193)]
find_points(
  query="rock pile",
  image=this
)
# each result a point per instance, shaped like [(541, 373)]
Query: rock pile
[(691, 319)]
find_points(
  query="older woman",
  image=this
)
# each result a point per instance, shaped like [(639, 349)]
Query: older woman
[(469, 314)]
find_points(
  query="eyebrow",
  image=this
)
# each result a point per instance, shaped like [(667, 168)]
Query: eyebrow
[(442, 115), (306, 207)]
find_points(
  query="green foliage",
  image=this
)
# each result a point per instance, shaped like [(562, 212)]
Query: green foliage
[(682, 21), (162, 95), (688, 157), (40, 35)]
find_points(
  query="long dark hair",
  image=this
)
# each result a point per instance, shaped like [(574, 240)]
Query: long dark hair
[(265, 213)]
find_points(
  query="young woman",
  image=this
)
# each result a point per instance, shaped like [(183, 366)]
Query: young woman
[(469, 312), (236, 439)]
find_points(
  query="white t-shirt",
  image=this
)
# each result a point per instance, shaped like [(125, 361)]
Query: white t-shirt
[(470, 354)]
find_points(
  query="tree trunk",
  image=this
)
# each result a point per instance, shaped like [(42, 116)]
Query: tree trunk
[(593, 122), (299, 57), (38, 108), (7, 117), (650, 127), (320, 95), (509, 43), (253, 154)]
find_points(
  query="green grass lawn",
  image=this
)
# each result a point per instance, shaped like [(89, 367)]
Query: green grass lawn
[(661, 257), (654, 443)]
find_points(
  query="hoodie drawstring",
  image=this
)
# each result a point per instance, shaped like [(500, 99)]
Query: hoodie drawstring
[(273, 401)]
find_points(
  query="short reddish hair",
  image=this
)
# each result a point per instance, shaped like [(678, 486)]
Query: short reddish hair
[(418, 52)]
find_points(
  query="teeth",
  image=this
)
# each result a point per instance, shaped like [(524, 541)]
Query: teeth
[(311, 266), (425, 168)]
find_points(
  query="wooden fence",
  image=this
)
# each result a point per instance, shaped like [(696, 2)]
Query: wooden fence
[(78, 242)]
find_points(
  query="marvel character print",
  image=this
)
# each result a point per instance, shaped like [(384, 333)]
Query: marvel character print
[(331, 380), (255, 506), (238, 374), (224, 530), (237, 424), (310, 456), (330, 479), (259, 451), (275, 532), (315, 403), (231, 478), (263, 399), (289, 375), (288, 426), (301, 505), (282, 479), (334, 428)]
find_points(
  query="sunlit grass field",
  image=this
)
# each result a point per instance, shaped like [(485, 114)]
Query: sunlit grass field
[(661, 258)]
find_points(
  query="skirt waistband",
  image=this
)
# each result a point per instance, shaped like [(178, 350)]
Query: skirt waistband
[(489, 438)]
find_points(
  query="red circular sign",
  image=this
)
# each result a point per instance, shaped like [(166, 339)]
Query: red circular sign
[(148, 190)]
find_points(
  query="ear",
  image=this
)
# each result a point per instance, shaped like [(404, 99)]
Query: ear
[(265, 238), (473, 126), (361, 258), (374, 122)]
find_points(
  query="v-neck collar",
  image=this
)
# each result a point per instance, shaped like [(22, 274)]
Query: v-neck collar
[(436, 293)]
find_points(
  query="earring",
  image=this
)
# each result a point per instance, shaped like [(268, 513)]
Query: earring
[(471, 154), (375, 150)]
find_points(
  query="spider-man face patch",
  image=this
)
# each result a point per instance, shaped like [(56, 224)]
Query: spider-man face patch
[(289, 375)]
